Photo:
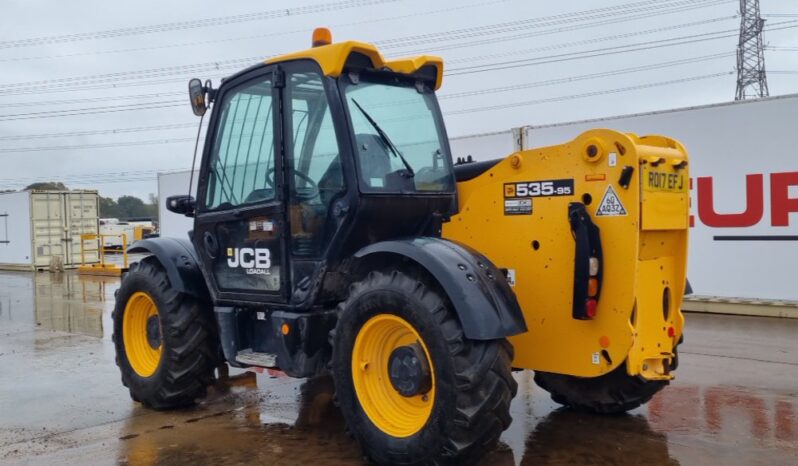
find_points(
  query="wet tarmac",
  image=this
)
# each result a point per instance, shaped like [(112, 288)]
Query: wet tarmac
[(735, 400)]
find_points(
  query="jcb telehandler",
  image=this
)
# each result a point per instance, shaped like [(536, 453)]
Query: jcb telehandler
[(334, 234)]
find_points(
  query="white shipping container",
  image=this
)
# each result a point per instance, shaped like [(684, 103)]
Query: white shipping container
[(172, 184), (486, 146), (37, 226)]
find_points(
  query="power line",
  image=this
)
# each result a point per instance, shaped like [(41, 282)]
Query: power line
[(97, 146), (92, 99), (92, 110), (99, 179), (25, 87), (153, 72), (452, 72), (193, 24), (437, 46), (119, 177), (682, 40), (24, 137), (456, 71), (94, 176), (253, 36), (590, 76), (649, 7), (516, 87), (587, 94), (447, 113), (541, 60), (595, 39), (648, 45)]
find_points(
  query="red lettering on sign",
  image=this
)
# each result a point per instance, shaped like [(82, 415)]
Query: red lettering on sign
[(780, 202), (754, 204)]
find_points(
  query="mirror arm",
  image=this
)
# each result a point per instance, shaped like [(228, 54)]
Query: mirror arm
[(210, 91)]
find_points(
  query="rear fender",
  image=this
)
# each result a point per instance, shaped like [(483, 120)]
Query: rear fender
[(484, 302), (179, 259)]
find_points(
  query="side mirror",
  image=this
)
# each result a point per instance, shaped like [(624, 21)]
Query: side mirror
[(182, 204), (196, 94)]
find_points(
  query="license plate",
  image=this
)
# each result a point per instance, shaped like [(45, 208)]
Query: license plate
[(672, 182)]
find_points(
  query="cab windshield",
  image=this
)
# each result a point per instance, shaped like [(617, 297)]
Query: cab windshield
[(400, 141)]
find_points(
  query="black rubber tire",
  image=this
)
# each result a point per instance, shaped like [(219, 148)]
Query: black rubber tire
[(190, 341), (474, 384), (615, 392)]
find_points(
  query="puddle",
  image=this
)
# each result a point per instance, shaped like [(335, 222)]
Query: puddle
[(65, 302)]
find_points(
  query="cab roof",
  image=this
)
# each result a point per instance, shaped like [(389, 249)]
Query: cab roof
[(333, 58)]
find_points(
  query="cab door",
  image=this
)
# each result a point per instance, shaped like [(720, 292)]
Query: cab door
[(314, 144), (240, 225)]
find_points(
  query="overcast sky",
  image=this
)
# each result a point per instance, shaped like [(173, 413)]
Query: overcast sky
[(95, 70)]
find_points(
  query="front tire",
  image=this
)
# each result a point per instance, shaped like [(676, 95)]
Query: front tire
[(166, 343), (455, 412)]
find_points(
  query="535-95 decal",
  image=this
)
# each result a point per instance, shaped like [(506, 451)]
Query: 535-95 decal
[(518, 196), (563, 187)]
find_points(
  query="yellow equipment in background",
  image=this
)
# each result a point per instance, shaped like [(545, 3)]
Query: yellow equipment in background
[(103, 267)]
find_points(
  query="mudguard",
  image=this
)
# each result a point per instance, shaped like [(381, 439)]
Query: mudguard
[(180, 260), (484, 302)]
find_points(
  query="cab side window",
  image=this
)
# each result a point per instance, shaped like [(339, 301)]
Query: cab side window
[(315, 162), (242, 159)]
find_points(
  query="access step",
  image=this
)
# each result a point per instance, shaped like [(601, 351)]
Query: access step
[(253, 358)]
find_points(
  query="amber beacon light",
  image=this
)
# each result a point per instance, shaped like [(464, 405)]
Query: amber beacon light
[(322, 36)]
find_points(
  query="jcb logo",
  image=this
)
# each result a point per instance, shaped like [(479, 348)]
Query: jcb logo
[(254, 260)]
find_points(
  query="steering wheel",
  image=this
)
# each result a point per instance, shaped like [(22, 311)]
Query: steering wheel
[(310, 191)]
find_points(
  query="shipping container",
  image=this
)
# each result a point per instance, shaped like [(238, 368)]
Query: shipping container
[(486, 146), (40, 227), (171, 184)]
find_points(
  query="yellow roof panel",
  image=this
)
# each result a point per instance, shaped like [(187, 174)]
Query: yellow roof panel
[(331, 58)]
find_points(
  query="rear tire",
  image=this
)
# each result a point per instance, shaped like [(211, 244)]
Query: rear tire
[(615, 392), (472, 385), (172, 364)]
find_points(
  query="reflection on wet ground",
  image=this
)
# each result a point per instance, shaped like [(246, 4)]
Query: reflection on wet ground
[(734, 401)]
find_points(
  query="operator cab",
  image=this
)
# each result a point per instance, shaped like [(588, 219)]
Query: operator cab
[(302, 154)]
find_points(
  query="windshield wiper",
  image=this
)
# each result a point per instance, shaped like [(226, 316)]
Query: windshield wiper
[(386, 140)]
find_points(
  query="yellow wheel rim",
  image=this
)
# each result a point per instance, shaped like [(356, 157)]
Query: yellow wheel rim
[(392, 413), (143, 351)]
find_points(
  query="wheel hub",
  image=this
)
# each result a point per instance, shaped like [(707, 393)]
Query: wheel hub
[(408, 370), (154, 332), (387, 344), (141, 334)]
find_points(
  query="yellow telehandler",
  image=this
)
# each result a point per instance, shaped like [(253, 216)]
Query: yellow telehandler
[(333, 233)]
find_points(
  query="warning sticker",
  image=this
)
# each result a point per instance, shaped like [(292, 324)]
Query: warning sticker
[(610, 205), (518, 207)]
